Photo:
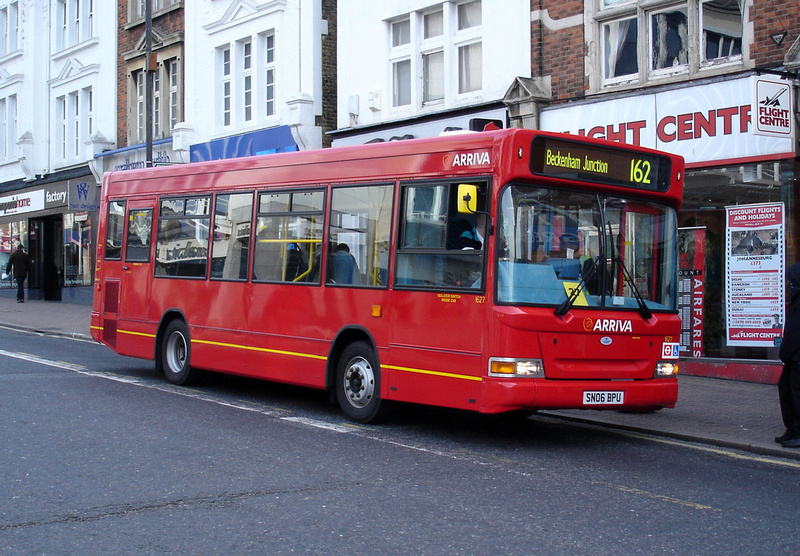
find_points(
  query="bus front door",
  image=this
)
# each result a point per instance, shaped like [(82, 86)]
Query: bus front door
[(137, 262)]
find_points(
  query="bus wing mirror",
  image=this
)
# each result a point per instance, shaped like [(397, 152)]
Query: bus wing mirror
[(467, 198)]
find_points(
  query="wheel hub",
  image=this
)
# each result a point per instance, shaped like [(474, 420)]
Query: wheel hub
[(359, 382)]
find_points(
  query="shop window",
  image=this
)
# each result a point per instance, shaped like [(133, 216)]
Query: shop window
[(288, 242), (230, 251), (360, 225), (182, 244), (11, 233), (78, 249)]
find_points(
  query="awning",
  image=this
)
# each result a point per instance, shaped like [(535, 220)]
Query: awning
[(266, 141)]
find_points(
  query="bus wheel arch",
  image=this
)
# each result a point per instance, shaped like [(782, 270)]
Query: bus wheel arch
[(354, 377), (173, 350)]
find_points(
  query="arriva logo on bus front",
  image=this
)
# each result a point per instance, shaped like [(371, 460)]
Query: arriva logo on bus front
[(607, 325), (467, 159)]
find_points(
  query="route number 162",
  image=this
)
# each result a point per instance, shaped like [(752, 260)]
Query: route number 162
[(640, 171)]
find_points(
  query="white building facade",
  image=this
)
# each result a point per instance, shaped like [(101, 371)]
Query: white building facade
[(57, 110), (254, 77), (415, 68)]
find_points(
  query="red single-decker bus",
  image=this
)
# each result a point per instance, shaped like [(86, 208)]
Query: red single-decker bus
[(509, 270)]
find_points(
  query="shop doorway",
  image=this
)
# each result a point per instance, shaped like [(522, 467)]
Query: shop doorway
[(46, 237)]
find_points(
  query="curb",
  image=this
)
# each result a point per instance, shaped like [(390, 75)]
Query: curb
[(783, 453), (48, 332)]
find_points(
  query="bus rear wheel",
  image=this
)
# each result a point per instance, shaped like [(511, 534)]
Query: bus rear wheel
[(175, 355), (358, 384)]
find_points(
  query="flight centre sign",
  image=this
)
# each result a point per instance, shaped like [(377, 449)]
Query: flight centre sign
[(740, 120)]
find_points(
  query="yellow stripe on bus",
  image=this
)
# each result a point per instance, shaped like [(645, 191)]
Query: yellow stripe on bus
[(266, 350), (132, 333), (311, 356), (435, 373)]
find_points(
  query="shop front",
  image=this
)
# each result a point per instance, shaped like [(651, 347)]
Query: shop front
[(55, 222), (739, 218)]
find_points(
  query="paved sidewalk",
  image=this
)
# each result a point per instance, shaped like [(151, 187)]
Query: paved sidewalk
[(726, 413)]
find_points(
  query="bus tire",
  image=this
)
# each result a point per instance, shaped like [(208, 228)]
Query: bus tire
[(175, 355), (358, 384)]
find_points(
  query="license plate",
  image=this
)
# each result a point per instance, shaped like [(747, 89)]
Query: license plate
[(603, 398)]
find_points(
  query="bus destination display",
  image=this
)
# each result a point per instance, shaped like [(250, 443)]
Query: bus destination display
[(608, 165)]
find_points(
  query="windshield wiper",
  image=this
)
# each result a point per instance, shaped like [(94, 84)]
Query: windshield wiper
[(643, 308), (574, 294)]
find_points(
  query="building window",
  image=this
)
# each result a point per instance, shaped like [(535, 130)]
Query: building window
[(8, 126), (246, 83), (469, 67), (156, 104), (247, 79), (426, 44), (173, 76), (672, 38), (225, 55), (269, 74), (75, 22), (9, 25), (139, 79), (157, 5), (74, 122), (401, 62), (620, 55), (433, 56), (722, 29)]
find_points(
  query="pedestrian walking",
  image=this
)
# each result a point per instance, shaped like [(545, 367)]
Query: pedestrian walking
[(789, 383), (20, 262)]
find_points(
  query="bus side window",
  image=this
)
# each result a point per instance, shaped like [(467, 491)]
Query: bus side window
[(115, 229), (140, 232), (182, 243), (360, 225), (440, 247), (230, 248), (289, 237)]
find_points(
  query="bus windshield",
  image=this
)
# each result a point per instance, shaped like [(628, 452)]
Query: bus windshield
[(618, 252)]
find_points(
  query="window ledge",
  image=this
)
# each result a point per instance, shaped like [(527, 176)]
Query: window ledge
[(71, 50)]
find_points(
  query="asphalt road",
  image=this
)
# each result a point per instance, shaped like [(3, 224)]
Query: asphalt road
[(100, 455)]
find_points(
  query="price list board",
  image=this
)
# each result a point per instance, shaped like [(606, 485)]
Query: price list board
[(754, 291)]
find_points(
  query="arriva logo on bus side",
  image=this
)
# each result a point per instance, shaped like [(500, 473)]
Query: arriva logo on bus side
[(467, 159), (607, 325)]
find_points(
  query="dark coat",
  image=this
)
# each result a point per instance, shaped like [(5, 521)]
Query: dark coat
[(790, 344), (21, 262)]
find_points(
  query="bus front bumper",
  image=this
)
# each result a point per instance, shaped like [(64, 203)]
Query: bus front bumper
[(501, 394)]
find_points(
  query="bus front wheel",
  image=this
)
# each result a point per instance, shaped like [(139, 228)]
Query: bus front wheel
[(175, 355), (358, 384)]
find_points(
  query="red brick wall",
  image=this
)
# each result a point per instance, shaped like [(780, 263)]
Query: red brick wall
[(559, 54), (771, 17), (128, 37), (329, 82)]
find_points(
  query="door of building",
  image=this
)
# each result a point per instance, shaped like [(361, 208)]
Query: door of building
[(47, 257)]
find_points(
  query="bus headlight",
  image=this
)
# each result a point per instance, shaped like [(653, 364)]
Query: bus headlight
[(516, 368), (666, 368)]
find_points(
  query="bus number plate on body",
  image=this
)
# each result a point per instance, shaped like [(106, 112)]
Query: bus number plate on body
[(595, 398)]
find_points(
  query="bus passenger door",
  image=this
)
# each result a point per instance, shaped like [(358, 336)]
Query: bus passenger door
[(137, 269)]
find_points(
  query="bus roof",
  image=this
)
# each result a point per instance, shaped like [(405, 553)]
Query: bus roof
[(477, 153)]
